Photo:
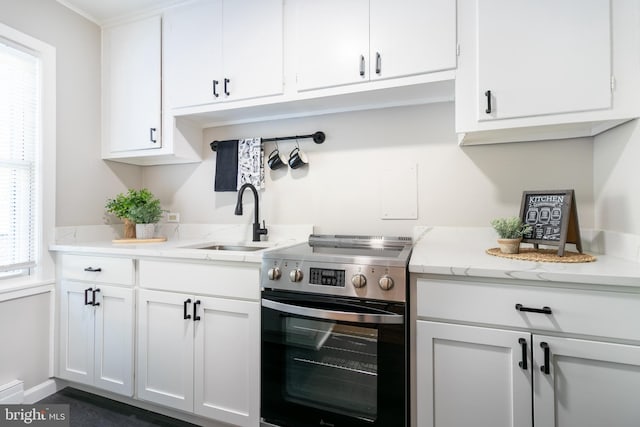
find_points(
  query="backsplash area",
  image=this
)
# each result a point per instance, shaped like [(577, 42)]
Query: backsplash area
[(343, 188)]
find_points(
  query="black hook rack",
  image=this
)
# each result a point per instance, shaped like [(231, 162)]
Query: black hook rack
[(318, 138)]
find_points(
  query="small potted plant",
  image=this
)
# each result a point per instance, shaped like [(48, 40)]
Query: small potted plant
[(510, 231), (139, 209)]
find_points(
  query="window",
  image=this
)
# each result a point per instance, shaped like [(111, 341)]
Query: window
[(19, 123), (27, 155)]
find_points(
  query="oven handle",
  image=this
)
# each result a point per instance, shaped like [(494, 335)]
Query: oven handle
[(341, 316)]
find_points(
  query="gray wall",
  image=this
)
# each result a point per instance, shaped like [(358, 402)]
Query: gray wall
[(83, 179), (616, 176)]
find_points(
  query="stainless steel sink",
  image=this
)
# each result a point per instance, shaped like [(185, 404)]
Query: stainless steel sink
[(231, 248)]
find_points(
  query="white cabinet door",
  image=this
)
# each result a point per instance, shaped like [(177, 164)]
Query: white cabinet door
[(332, 39), (411, 37), (227, 359), (192, 53), (589, 384), (76, 333), (252, 48), (471, 376), (113, 342), (217, 50), (131, 84), (165, 348), (542, 57)]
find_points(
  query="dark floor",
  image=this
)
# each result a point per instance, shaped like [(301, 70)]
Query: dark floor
[(89, 410)]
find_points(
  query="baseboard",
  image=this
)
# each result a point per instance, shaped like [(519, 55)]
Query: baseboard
[(12, 393), (42, 390)]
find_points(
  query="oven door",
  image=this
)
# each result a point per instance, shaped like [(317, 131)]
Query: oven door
[(330, 361)]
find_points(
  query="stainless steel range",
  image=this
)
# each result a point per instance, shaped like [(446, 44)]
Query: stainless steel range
[(334, 335)]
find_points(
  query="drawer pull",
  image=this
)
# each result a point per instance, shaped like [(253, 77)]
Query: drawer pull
[(545, 368), (543, 310), (184, 309), (523, 345), (93, 270)]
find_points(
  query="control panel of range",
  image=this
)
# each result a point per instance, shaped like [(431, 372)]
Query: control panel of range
[(376, 282)]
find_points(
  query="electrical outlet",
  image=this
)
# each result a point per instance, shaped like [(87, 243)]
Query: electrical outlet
[(173, 217)]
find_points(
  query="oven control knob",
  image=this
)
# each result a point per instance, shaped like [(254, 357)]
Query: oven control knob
[(385, 282), (274, 273), (296, 275), (358, 280)]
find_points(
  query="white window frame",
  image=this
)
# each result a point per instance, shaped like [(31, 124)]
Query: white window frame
[(44, 272)]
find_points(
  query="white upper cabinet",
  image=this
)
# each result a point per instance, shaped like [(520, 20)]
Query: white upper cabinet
[(131, 86), (192, 53), (217, 50), (411, 37), (532, 70), (343, 42), (332, 39), (542, 57)]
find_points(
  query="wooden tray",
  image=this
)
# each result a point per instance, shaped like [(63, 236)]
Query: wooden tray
[(152, 240)]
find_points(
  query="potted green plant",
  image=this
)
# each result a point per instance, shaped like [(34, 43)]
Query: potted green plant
[(136, 208), (510, 231)]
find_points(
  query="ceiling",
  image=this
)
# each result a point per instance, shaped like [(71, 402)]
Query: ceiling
[(103, 11)]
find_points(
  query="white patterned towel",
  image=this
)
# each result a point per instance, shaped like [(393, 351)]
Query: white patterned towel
[(251, 162)]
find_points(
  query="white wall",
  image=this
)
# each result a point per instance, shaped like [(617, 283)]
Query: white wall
[(616, 165), (83, 180), (340, 190)]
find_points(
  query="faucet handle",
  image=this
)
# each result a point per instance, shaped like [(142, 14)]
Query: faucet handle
[(263, 230)]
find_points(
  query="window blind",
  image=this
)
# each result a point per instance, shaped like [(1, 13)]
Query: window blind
[(19, 127)]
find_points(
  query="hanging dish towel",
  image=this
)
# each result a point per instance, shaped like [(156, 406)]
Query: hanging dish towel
[(226, 178), (250, 163)]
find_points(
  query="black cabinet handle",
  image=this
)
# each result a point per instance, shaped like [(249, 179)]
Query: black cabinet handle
[(151, 136), (93, 270), (215, 92), (226, 86), (93, 297), (86, 297), (488, 95), (545, 368), (523, 345), (543, 310), (184, 309), (378, 63), (195, 310), (362, 65)]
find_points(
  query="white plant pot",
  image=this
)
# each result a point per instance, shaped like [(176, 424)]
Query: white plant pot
[(145, 231)]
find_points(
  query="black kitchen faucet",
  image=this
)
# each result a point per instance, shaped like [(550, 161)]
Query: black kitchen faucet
[(257, 230)]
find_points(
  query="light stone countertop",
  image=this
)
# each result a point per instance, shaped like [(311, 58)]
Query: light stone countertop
[(460, 251), (97, 240)]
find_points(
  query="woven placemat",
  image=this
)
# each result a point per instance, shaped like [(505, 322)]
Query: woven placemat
[(543, 255)]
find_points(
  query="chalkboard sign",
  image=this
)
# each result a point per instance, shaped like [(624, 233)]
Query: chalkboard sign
[(553, 218)]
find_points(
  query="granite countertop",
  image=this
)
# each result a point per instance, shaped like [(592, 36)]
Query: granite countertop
[(460, 251), (182, 242)]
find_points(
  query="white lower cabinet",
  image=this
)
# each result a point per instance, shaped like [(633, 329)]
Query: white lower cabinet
[(96, 335), (523, 376), (469, 376), (200, 354)]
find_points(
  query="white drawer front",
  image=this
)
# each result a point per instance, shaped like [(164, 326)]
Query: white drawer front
[(234, 280), (589, 312), (98, 269)]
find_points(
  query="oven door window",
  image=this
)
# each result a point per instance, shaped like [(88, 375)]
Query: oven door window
[(331, 366)]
